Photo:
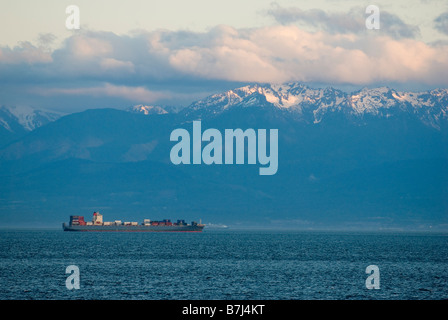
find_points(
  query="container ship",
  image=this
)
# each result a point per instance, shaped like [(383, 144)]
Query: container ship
[(77, 223)]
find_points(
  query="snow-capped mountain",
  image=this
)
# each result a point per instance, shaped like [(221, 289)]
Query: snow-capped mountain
[(147, 110), (16, 121), (313, 105), (27, 117)]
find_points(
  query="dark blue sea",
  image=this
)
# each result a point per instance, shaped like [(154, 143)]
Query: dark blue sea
[(224, 265)]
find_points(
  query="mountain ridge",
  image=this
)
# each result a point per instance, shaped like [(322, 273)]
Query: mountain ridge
[(431, 107), (312, 104)]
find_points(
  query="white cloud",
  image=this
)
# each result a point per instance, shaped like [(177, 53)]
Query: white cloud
[(89, 46), (108, 90), (25, 52), (288, 53), (117, 65)]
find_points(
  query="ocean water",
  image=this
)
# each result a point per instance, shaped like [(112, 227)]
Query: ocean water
[(247, 265)]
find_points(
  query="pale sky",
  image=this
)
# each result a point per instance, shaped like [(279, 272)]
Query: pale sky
[(177, 51), (24, 20)]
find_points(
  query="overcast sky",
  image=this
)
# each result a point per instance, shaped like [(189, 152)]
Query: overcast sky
[(176, 51)]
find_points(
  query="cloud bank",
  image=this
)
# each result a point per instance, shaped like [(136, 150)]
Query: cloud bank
[(146, 67)]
